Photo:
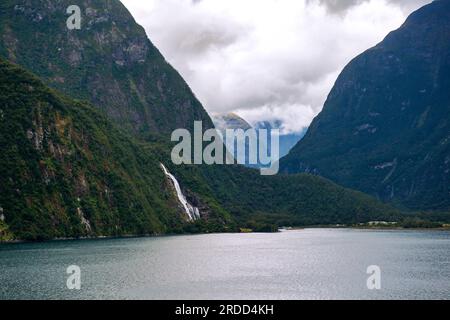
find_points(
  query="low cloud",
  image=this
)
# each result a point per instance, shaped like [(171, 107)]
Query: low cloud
[(266, 59), (342, 6)]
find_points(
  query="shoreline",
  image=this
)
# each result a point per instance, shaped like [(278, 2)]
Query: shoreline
[(374, 228)]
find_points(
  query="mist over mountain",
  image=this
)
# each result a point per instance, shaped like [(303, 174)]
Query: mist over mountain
[(385, 127), (286, 140)]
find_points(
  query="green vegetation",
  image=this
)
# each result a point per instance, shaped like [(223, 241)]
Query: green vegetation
[(416, 223), (70, 168), (385, 128), (66, 171), (110, 62), (5, 234), (263, 202)]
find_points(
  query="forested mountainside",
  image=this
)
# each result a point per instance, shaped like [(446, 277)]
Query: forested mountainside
[(109, 62), (385, 127), (66, 171), (71, 168)]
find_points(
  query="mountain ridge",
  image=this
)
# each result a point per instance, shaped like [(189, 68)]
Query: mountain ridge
[(228, 197), (110, 62), (384, 128), (69, 172)]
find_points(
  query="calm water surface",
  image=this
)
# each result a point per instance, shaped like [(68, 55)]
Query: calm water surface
[(303, 264)]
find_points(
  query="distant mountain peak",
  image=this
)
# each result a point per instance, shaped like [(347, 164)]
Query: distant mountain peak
[(230, 121)]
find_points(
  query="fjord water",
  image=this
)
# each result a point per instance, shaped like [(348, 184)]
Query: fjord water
[(299, 264)]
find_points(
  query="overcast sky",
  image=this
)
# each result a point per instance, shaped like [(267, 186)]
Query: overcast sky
[(266, 59)]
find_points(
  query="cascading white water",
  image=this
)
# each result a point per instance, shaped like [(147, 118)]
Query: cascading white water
[(192, 212)]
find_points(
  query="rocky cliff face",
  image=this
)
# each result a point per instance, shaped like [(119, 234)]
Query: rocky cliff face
[(385, 127), (109, 62), (67, 172)]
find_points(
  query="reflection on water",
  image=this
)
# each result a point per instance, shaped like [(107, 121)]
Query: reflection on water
[(303, 264)]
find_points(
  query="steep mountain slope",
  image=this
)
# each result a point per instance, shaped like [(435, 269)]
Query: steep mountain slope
[(257, 201), (66, 171), (109, 62), (56, 150), (385, 127)]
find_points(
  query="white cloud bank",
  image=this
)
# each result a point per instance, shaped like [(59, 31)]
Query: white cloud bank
[(266, 59)]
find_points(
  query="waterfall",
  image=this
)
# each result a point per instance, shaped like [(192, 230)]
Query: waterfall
[(192, 212)]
